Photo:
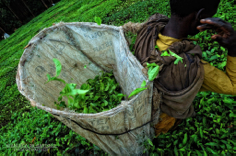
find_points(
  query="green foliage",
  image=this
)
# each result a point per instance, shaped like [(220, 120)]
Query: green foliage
[(97, 95), (210, 132), (46, 130)]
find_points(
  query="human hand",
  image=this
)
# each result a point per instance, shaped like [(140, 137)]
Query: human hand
[(226, 36)]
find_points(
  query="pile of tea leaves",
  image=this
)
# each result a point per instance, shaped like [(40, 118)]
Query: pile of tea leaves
[(96, 95)]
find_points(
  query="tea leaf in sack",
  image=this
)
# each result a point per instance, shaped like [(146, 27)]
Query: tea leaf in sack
[(98, 20), (112, 89), (70, 100), (96, 98), (120, 96), (93, 104), (62, 104), (153, 73), (143, 84), (59, 98), (58, 66), (107, 87), (91, 110), (102, 86), (54, 78), (69, 89), (77, 105), (85, 110), (105, 110), (105, 102), (136, 91)]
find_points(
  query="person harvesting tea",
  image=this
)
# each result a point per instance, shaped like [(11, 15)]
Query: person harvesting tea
[(179, 82)]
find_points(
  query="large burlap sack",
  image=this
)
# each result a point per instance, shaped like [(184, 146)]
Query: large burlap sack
[(99, 48)]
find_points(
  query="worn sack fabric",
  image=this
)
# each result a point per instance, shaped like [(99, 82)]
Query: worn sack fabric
[(180, 82), (100, 48)]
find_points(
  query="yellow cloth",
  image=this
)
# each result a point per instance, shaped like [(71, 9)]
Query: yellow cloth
[(215, 80)]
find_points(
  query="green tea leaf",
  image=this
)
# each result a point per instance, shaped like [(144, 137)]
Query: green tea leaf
[(201, 133), (185, 138), (212, 144), (151, 65), (58, 66), (199, 153), (57, 79), (98, 20), (165, 53), (59, 98), (153, 73), (93, 104), (213, 57), (176, 141), (150, 142), (85, 110), (96, 98), (91, 110), (176, 151), (143, 84), (156, 47), (178, 58), (105, 110), (136, 91), (62, 104), (105, 102), (101, 86), (49, 77), (177, 61), (107, 87), (212, 151)]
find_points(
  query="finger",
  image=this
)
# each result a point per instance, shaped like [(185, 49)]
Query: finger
[(205, 27), (217, 38), (219, 23)]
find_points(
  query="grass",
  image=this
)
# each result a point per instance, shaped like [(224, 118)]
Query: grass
[(214, 120)]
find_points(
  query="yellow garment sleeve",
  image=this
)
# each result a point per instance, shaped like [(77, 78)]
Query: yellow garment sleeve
[(218, 81)]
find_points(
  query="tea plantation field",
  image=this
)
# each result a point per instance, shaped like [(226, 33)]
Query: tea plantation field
[(211, 132)]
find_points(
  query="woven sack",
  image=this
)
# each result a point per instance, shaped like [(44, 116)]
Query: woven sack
[(99, 48)]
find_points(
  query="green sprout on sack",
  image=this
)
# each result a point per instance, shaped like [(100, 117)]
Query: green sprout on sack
[(138, 90), (165, 53), (178, 58), (58, 71)]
